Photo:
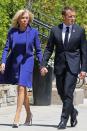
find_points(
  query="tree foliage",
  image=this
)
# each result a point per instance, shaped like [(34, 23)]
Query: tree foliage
[(51, 8), (7, 10)]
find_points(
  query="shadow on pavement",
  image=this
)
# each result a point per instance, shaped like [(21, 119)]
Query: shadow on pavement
[(44, 125), (5, 124)]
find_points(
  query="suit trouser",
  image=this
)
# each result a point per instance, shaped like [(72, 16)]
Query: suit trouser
[(66, 83)]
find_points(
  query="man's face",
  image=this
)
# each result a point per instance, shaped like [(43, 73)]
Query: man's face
[(69, 17)]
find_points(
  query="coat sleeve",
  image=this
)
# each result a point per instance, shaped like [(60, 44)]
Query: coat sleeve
[(49, 49), (83, 51), (7, 47), (37, 45)]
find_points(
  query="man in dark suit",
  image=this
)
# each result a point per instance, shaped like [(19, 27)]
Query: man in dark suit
[(70, 59)]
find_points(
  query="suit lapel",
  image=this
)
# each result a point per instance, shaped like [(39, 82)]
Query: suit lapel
[(72, 36), (60, 33)]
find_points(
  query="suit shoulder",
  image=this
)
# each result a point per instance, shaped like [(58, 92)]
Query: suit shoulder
[(54, 28), (79, 27)]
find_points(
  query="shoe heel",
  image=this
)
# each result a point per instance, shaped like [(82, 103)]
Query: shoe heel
[(15, 125), (29, 123)]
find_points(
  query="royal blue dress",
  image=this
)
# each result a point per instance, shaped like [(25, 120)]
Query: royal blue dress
[(20, 62)]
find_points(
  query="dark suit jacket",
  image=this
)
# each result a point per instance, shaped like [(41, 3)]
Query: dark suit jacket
[(75, 54)]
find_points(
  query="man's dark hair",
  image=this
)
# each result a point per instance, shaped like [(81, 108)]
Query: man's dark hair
[(67, 8)]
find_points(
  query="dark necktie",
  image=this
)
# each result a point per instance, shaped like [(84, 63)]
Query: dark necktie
[(66, 37)]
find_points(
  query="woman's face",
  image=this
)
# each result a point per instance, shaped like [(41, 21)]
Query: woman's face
[(24, 20)]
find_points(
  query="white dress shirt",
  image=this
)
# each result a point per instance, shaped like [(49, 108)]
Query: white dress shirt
[(64, 31)]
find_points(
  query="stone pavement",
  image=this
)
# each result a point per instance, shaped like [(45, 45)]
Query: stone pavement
[(45, 118)]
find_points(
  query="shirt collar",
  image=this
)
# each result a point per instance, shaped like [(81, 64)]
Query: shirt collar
[(64, 27)]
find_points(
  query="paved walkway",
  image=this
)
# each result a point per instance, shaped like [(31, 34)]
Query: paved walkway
[(45, 118)]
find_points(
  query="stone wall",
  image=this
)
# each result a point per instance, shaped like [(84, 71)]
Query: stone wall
[(8, 95)]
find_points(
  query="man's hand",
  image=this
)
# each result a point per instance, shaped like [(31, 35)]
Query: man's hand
[(43, 71), (82, 75), (2, 67)]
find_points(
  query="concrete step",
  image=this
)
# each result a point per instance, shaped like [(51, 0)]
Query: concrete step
[(78, 96)]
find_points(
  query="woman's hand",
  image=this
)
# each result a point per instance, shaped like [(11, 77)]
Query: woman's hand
[(82, 75), (43, 71), (2, 67)]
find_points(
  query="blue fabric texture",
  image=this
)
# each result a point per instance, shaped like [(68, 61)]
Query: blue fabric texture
[(20, 61)]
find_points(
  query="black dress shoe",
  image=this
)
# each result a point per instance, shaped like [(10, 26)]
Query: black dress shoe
[(74, 118), (62, 125), (15, 125)]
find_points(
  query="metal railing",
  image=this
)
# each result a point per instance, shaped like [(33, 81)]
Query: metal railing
[(43, 28), (43, 22)]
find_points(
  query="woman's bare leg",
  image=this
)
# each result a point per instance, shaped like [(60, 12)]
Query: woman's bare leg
[(27, 106), (20, 100)]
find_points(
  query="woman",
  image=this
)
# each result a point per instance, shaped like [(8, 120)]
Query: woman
[(18, 68)]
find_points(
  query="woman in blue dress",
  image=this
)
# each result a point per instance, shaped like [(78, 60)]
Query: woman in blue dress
[(18, 59)]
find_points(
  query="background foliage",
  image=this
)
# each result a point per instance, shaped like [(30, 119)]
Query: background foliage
[(7, 10), (51, 9)]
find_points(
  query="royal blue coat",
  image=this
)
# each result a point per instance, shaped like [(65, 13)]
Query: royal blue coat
[(19, 68)]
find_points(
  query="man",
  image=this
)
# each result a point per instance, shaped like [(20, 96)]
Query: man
[(70, 59)]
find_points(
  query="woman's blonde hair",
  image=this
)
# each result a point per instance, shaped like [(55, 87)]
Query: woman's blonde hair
[(18, 15)]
